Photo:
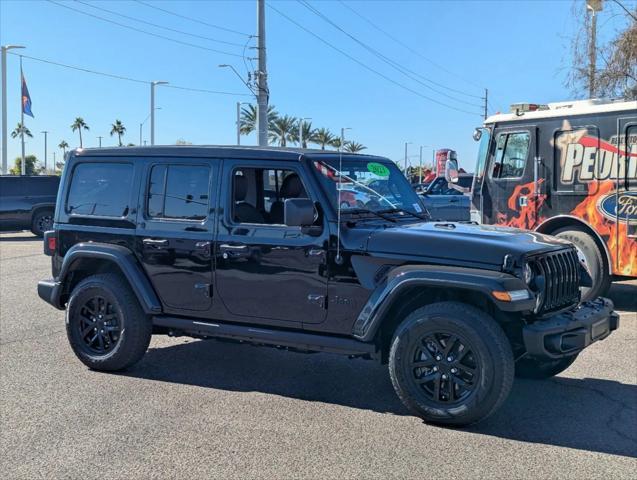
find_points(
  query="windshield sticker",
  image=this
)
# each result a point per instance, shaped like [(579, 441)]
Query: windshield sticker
[(378, 169), (417, 208)]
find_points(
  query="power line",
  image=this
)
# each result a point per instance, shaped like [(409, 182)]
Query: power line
[(158, 26), (365, 66), (415, 52), (129, 79), (196, 20), (201, 47), (401, 68), (625, 9)]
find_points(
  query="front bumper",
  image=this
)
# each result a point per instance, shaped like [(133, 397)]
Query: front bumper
[(49, 291), (570, 332)]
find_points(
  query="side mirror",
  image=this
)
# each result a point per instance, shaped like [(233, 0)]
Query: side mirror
[(451, 171), (477, 134), (298, 212)]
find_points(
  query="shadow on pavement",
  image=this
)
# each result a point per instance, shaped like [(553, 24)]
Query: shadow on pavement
[(587, 414), (19, 237), (624, 295)]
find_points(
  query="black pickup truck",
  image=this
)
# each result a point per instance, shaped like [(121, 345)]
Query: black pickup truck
[(256, 245), (27, 202)]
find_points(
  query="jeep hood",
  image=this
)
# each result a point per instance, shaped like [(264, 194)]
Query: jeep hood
[(452, 243)]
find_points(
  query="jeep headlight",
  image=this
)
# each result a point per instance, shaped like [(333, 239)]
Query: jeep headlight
[(527, 274)]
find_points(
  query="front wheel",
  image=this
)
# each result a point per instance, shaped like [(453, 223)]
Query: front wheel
[(105, 325), (541, 369), (451, 363)]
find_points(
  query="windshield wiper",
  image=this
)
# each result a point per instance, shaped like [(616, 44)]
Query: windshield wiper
[(373, 212), (425, 216)]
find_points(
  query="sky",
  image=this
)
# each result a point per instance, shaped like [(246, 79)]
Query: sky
[(519, 50)]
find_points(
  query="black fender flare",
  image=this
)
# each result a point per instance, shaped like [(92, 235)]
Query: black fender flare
[(124, 259), (388, 291)]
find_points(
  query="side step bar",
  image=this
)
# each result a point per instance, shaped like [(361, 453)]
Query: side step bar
[(277, 338)]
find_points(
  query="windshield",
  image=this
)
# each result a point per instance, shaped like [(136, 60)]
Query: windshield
[(483, 151), (367, 185)]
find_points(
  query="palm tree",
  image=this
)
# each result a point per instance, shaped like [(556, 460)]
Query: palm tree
[(248, 118), (323, 137), (336, 143), (63, 145), (119, 129), (19, 130), (284, 129), (79, 124), (309, 134), (354, 147)]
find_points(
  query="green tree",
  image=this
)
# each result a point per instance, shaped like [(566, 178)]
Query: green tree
[(284, 130), (79, 124), (336, 142), (248, 118), (309, 134), (354, 147), (323, 137), (118, 129), (63, 146), (19, 129), (31, 163)]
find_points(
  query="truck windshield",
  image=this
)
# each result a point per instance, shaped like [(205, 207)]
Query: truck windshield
[(367, 185)]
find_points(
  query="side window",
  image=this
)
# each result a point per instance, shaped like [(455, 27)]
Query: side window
[(100, 189), (178, 192), (258, 194), (576, 164), (630, 147), (438, 186), (511, 155)]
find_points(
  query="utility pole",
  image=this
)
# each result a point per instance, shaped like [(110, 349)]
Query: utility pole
[(45, 156), (486, 102), (341, 147), (301, 120), (54, 162), (152, 108), (262, 78), (3, 134), (406, 174), (420, 167), (100, 140), (238, 123), (593, 6)]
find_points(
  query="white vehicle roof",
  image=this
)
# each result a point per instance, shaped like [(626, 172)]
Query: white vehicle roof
[(565, 109)]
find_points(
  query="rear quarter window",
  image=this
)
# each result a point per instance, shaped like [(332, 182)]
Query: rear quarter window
[(100, 189)]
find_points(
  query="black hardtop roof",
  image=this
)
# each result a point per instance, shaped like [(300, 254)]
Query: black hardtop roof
[(222, 151)]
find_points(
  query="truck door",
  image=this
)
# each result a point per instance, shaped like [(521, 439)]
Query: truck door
[(175, 232), (510, 193), (626, 203)]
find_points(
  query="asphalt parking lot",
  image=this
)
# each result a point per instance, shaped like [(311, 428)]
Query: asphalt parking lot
[(201, 409)]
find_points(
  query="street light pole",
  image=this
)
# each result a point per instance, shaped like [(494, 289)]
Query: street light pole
[(3, 134), (420, 167), (99, 139), (152, 108), (262, 78), (342, 145), (45, 156), (54, 162)]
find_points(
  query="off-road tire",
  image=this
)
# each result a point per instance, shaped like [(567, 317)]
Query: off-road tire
[(494, 359), (542, 369), (42, 221), (135, 328), (594, 260)]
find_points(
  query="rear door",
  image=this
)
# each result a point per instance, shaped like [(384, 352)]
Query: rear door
[(175, 232)]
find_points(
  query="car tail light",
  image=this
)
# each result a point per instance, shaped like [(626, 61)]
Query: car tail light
[(50, 243)]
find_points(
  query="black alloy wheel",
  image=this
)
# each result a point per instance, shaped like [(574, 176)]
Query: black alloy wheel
[(98, 326), (445, 367)]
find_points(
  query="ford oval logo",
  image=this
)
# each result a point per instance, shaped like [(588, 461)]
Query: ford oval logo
[(622, 207)]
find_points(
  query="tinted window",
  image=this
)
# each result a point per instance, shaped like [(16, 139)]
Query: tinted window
[(101, 189), (178, 191)]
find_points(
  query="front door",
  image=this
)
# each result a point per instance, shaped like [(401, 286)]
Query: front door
[(511, 191), (175, 233), (267, 272)]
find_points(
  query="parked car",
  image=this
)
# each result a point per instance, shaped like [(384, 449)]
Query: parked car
[(447, 203), (27, 202), (187, 241)]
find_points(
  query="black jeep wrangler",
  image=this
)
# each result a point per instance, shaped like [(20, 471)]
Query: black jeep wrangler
[(297, 250)]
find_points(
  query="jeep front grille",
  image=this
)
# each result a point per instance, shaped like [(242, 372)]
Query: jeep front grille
[(561, 274)]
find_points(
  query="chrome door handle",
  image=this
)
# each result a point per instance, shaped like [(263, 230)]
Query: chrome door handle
[(155, 243), (233, 248)]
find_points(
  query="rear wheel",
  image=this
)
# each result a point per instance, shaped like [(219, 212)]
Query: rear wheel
[(541, 369), (42, 221), (105, 325), (593, 257), (451, 363)]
